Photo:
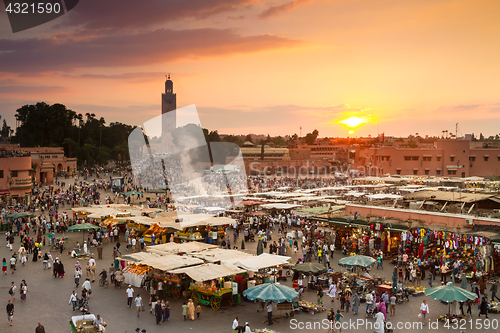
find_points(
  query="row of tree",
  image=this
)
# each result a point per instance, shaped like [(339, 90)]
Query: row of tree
[(87, 138)]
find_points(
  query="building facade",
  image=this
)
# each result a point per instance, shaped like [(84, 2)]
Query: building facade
[(447, 158), (50, 162), (15, 173)]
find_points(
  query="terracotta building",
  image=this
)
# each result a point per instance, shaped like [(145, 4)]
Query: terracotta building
[(447, 158), (50, 162), (15, 172)]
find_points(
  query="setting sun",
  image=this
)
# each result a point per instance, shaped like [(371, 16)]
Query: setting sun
[(351, 132), (354, 121)]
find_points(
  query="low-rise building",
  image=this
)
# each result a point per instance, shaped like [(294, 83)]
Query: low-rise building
[(50, 162), (15, 173)]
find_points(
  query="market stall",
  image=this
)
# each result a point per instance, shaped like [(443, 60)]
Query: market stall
[(180, 248), (172, 284), (209, 287)]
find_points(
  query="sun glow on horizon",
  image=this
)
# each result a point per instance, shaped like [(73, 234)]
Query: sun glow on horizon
[(354, 121)]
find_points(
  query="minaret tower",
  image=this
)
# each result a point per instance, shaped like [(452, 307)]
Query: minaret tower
[(168, 106)]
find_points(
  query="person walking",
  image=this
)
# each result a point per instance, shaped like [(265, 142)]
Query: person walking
[(190, 309), (10, 312), (92, 268), (198, 311), (138, 304), (332, 291), (12, 291), (392, 306), (166, 311), (355, 305), (73, 299), (424, 309), (494, 290), (338, 316), (78, 274), (483, 307), (13, 263), (319, 295), (4, 266), (158, 313), (99, 251), (130, 295), (369, 300), (23, 290), (270, 313), (331, 318), (184, 310)]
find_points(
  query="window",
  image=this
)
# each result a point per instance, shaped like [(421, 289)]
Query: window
[(13, 173), (411, 158), (426, 172), (438, 158), (427, 158), (472, 158), (452, 158), (1, 173), (486, 158), (398, 172), (415, 172), (438, 172), (452, 172)]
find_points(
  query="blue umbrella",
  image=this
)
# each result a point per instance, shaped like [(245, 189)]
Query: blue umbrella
[(271, 292)]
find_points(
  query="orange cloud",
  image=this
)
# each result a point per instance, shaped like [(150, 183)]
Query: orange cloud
[(287, 7)]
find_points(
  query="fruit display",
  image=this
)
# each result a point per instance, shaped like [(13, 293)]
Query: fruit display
[(137, 269), (263, 330), (311, 307), (155, 229)]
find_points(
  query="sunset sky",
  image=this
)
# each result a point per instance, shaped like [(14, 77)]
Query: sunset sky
[(267, 67)]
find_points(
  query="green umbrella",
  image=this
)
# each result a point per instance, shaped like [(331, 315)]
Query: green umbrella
[(310, 268), (357, 261), (83, 227), (132, 193), (271, 292), (450, 293)]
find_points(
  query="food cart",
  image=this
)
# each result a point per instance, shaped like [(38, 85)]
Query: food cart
[(208, 286), (83, 324), (211, 296)]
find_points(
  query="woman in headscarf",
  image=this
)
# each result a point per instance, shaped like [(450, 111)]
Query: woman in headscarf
[(190, 309), (35, 254), (355, 303), (60, 269), (484, 307), (381, 308)]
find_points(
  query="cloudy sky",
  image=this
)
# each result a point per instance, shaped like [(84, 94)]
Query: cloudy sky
[(267, 67)]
